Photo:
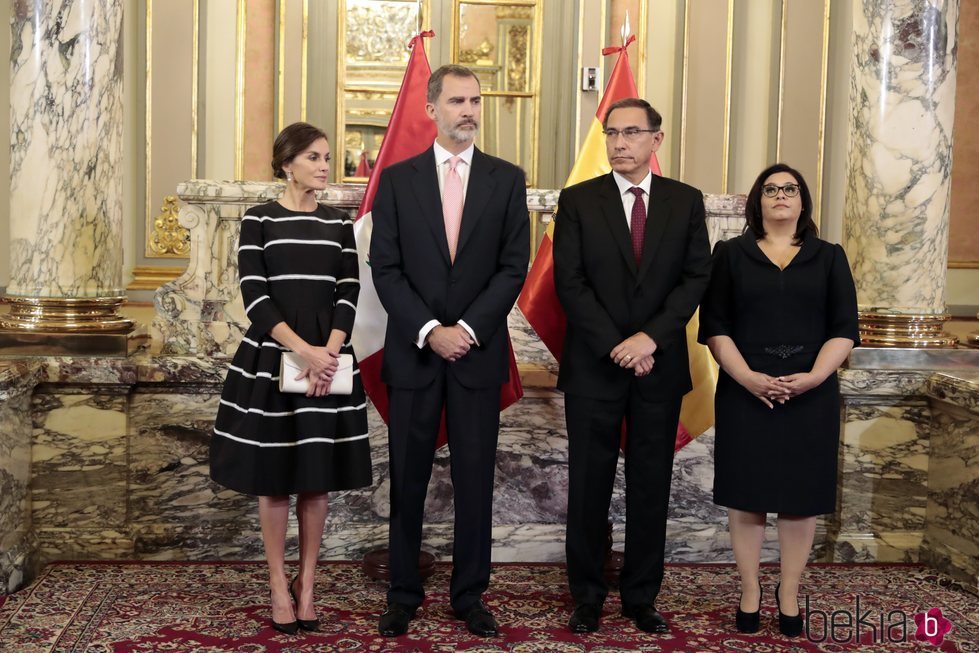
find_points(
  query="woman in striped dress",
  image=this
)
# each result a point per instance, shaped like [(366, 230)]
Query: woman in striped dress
[(297, 266)]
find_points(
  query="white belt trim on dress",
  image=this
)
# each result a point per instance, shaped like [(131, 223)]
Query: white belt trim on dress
[(290, 444), (267, 343)]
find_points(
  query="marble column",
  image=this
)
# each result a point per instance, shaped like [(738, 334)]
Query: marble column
[(66, 120), (902, 102)]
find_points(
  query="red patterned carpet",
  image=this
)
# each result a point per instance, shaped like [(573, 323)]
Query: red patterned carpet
[(210, 607)]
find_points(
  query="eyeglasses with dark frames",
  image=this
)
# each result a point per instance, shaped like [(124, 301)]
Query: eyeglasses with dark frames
[(771, 190), (630, 133)]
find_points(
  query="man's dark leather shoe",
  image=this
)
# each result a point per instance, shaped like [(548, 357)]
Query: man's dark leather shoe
[(395, 620), (479, 620), (585, 618), (647, 618)]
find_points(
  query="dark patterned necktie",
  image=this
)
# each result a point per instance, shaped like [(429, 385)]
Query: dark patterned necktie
[(637, 223)]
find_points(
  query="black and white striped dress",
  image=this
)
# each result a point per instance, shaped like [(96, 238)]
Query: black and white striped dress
[(300, 268)]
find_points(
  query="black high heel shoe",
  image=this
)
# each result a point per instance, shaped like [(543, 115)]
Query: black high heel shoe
[(309, 625), (289, 628), (748, 622), (788, 626)]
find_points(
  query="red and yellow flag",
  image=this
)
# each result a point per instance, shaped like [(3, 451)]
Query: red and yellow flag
[(539, 302)]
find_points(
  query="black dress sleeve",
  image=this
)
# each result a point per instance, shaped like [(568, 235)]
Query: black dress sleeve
[(252, 277), (348, 279), (841, 300), (716, 309)]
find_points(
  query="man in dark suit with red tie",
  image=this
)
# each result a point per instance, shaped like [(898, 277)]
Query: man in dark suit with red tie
[(449, 254), (631, 262)]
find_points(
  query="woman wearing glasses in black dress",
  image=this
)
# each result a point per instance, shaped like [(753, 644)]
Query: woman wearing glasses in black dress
[(780, 317)]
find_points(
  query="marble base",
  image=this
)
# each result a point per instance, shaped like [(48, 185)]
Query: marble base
[(18, 543), (884, 465), (109, 460), (20, 562), (896, 358), (133, 482), (18, 344), (951, 541), (881, 546)]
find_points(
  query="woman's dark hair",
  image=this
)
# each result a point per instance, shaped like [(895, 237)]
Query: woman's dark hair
[(292, 141), (752, 210)]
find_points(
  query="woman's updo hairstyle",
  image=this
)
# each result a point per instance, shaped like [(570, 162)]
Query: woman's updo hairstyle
[(291, 142)]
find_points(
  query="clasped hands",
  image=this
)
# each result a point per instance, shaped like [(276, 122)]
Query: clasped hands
[(450, 342), (779, 388), (635, 353), (323, 363)]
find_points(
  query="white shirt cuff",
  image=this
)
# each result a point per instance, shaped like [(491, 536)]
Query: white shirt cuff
[(471, 332), (424, 331)]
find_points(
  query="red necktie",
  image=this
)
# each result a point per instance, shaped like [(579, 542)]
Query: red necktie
[(637, 223)]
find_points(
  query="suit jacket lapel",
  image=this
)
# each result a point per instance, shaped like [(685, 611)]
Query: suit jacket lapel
[(478, 192), (658, 215), (426, 186), (616, 219)]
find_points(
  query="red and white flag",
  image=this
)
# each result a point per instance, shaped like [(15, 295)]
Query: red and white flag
[(410, 132)]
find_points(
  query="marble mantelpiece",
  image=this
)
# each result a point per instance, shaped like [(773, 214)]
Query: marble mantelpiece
[(201, 313)]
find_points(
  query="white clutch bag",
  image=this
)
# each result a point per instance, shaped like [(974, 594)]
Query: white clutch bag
[(292, 364)]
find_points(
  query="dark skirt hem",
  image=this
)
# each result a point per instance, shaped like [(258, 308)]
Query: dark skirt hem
[(737, 505), (329, 485)]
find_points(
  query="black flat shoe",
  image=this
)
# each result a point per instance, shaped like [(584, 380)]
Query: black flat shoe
[(309, 625), (395, 620), (585, 618), (647, 618), (748, 622), (479, 620), (788, 626)]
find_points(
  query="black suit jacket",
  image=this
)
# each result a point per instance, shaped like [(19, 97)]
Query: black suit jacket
[(416, 282), (608, 298)]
